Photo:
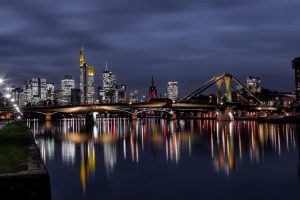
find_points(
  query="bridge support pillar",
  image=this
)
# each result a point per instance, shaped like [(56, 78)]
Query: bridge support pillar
[(174, 116), (48, 116), (133, 116), (225, 115), (199, 115)]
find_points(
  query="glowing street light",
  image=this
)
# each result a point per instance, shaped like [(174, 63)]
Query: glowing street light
[(7, 96), (12, 100), (1, 81)]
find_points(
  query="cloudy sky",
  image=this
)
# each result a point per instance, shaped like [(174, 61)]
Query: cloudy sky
[(186, 41)]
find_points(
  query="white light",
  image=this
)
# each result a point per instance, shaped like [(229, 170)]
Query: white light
[(12, 100), (1, 80), (7, 96), (19, 117), (15, 105)]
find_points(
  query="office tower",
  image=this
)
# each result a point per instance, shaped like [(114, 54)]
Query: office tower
[(67, 84), (122, 93), (27, 92), (58, 97), (87, 81), (75, 96), (50, 92), (16, 94), (172, 90), (152, 89), (109, 92), (296, 67), (254, 84)]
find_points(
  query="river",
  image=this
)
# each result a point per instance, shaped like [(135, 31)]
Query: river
[(159, 159)]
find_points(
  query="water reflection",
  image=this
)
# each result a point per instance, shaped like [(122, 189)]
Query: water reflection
[(227, 144)]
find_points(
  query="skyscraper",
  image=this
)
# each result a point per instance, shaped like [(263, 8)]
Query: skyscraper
[(67, 84), (152, 89), (172, 90), (254, 84), (296, 67), (87, 82), (110, 91), (50, 91)]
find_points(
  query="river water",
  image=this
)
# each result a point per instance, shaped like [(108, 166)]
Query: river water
[(160, 159)]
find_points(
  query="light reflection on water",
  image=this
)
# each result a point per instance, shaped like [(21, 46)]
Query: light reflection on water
[(226, 145)]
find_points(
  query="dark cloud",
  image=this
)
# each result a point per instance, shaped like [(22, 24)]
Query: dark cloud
[(186, 41)]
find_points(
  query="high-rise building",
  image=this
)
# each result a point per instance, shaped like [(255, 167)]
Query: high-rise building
[(110, 91), (87, 81), (75, 96), (152, 89), (50, 92), (296, 67), (27, 92), (67, 84), (109, 79), (58, 97), (122, 93), (172, 90), (254, 84), (37, 90), (16, 94)]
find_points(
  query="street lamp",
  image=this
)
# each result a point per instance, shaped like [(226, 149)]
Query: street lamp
[(1, 81), (7, 96)]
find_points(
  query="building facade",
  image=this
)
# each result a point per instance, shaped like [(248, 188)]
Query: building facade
[(50, 91), (37, 91), (296, 67), (87, 81), (67, 84), (75, 96), (172, 90), (110, 92), (254, 84)]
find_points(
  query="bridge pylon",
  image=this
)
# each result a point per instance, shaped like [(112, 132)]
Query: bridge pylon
[(227, 80)]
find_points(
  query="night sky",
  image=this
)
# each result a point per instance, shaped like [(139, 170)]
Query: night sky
[(186, 41)]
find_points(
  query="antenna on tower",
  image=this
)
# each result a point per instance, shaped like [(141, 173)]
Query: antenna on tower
[(106, 66), (81, 45)]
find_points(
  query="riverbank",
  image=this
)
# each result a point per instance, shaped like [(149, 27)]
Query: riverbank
[(22, 171)]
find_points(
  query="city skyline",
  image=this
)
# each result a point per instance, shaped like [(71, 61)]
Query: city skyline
[(166, 40)]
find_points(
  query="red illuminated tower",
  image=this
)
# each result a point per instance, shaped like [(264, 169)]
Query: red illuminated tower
[(152, 89)]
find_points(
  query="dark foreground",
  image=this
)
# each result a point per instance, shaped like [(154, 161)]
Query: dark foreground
[(22, 171)]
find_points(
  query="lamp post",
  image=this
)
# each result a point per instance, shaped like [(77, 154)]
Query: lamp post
[(7, 96)]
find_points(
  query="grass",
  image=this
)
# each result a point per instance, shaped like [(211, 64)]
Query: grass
[(14, 143)]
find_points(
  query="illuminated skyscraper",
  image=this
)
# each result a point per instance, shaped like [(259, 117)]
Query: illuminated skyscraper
[(67, 84), (254, 84), (152, 89), (87, 82), (172, 90), (50, 91), (296, 67), (110, 91)]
